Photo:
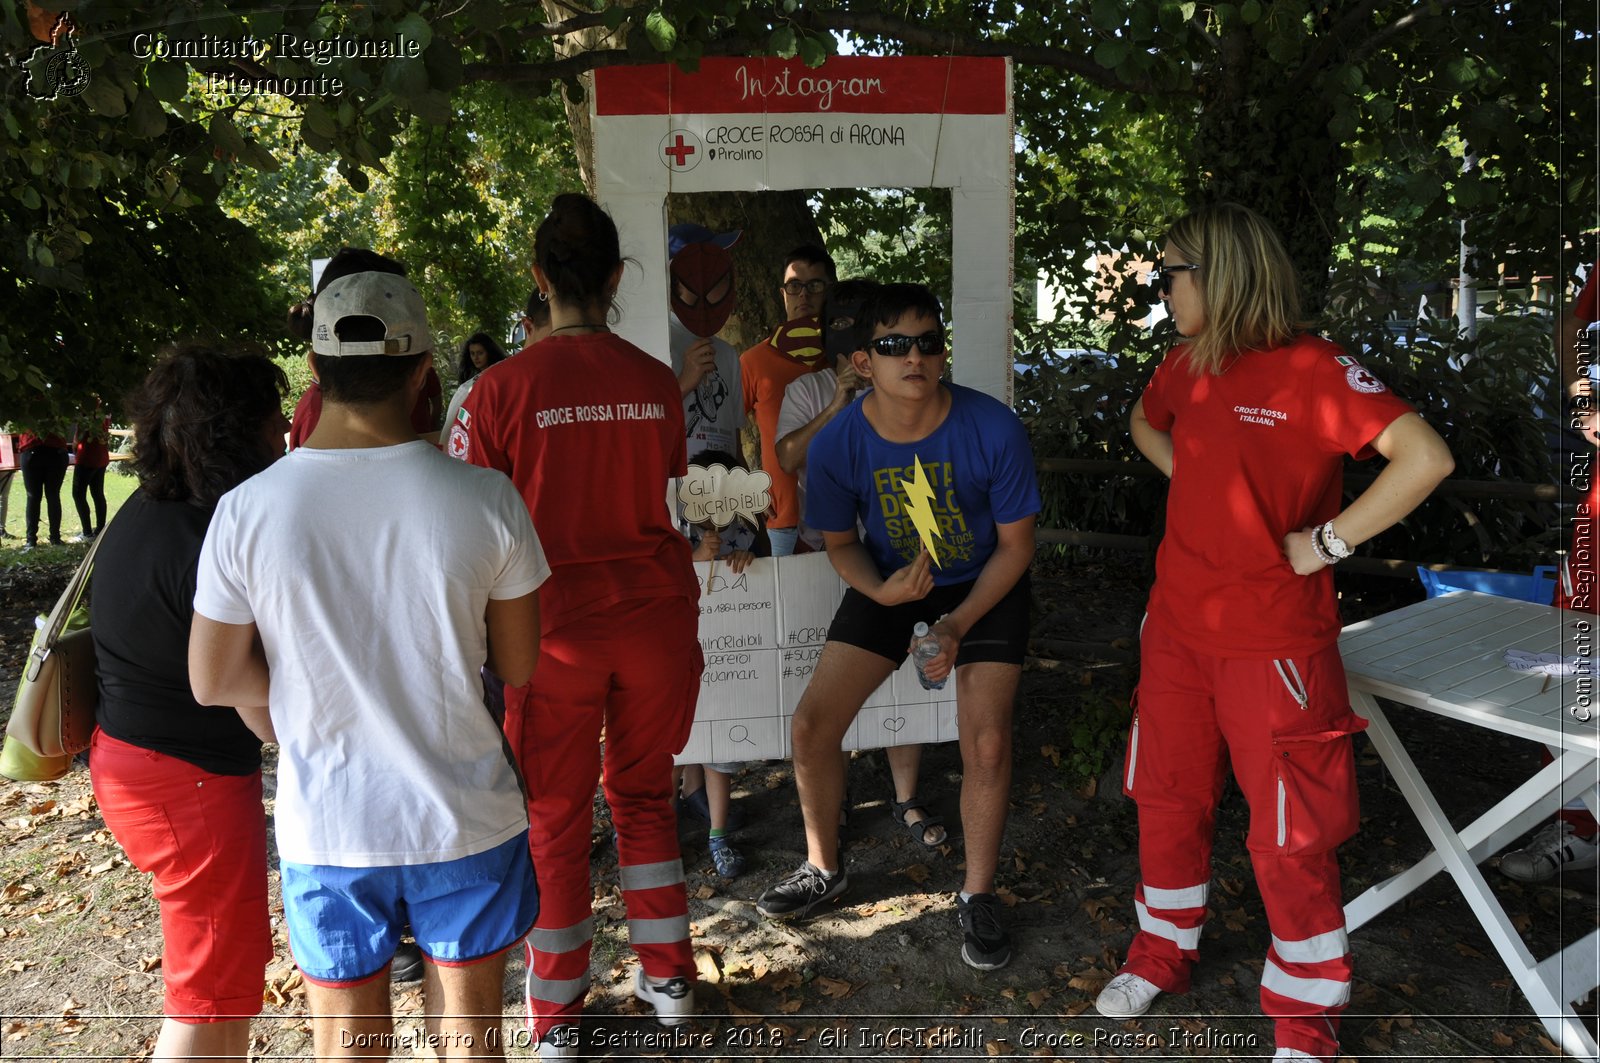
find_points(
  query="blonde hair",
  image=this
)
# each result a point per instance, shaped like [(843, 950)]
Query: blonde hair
[(1247, 284)]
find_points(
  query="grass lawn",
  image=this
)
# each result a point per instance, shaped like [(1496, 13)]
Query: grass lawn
[(118, 488)]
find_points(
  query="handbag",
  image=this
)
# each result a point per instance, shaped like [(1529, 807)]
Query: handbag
[(53, 715)]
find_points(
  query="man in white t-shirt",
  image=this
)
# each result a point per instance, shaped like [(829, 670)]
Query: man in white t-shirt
[(356, 588)]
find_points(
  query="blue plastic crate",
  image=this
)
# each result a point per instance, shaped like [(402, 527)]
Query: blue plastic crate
[(1538, 586)]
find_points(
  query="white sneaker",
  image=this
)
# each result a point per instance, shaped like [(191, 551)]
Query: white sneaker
[(1552, 850), (1292, 1053), (673, 998), (1125, 997), (559, 1042)]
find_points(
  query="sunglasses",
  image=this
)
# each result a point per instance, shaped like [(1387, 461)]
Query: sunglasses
[(815, 287), (1161, 276), (895, 346)]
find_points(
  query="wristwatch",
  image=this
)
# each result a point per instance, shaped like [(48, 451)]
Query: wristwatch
[(1335, 546)]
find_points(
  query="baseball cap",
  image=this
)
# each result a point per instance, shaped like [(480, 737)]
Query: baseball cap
[(685, 233), (393, 300)]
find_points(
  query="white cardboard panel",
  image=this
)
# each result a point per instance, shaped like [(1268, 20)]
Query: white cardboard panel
[(751, 686)]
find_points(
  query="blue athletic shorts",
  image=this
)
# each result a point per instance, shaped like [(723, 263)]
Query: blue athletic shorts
[(345, 922)]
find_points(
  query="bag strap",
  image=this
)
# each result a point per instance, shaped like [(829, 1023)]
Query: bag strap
[(63, 610)]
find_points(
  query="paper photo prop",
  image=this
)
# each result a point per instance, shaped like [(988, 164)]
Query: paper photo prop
[(761, 631), (717, 494)]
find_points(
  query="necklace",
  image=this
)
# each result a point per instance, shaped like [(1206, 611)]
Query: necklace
[(581, 324)]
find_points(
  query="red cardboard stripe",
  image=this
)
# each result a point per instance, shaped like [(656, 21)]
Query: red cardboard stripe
[(846, 84)]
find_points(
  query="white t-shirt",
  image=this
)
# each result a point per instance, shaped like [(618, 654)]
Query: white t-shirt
[(367, 573), (805, 398), (713, 412)]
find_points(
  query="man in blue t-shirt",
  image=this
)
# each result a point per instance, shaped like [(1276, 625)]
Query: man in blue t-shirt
[(941, 477)]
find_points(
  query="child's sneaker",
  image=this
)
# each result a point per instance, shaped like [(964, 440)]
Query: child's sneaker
[(673, 998), (1552, 850), (729, 861)]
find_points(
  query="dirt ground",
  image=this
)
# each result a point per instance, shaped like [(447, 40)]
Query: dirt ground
[(878, 976)]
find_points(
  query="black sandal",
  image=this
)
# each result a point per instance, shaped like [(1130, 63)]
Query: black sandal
[(929, 830)]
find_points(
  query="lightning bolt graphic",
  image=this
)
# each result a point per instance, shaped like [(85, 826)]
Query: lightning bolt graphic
[(919, 505)]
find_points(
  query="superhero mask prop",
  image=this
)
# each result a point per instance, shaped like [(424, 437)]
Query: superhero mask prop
[(702, 288), (839, 319), (800, 339)]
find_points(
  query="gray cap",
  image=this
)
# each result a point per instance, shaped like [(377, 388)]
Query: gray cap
[(390, 298)]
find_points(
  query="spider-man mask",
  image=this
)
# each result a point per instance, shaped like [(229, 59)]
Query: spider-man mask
[(702, 288)]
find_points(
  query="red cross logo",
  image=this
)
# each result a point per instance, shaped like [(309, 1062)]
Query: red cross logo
[(680, 151)]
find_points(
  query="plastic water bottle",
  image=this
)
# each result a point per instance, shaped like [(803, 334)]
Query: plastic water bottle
[(924, 648)]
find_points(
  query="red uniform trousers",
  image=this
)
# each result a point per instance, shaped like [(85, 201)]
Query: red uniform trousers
[(1285, 727), (632, 669)]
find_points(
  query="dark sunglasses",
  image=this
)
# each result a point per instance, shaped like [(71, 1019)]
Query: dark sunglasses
[(815, 287), (1161, 276), (896, 346)]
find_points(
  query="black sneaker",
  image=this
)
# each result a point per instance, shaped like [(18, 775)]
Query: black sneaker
[(985, 943), (407, 964), (802, 890)]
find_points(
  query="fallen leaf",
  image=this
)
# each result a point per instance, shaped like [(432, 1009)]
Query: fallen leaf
[(917, 873), (705, 893), (149, 963), (41, 809), (778, 981), (1052, 754), (1501, 1040), (834, 988), (789, 1007), (1467, 950), (1037, 998), (998, 1048)]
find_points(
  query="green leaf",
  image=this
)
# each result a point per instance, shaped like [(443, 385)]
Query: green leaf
[(42, 255), (414, 28), (319, 120), (615, 15), (782, 42), (406, 78), (790, 6), (813, 51), (105, 97), (1463, 70), (1106, 15), (1187, 10), (225, 135), (29, 197), (167, 80), (1110, 54), (662, 33), (1250, 11), (147, 120)]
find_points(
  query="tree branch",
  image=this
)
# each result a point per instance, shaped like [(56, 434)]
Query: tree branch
[(944, 42), (913, 35)]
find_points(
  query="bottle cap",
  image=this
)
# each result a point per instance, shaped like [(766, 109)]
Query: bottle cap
[(920, 630)]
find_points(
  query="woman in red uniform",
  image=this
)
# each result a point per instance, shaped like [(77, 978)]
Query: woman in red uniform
[(1252, 417), (590, 428)]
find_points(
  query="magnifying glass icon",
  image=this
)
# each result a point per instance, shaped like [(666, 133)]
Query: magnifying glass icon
[(740, 733)]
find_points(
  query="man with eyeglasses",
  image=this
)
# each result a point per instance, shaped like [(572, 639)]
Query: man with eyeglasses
[(773, 364), (941, 477)]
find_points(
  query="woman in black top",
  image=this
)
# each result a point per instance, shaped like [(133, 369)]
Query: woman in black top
[(179, 783)]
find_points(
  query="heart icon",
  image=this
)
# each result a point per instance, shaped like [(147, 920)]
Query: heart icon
[(894, 723)]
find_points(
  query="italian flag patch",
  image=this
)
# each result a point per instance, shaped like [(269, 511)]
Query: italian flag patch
[(463, 417), (1345, 360)]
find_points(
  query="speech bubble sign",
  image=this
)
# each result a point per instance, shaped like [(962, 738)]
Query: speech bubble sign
[(718, 494)]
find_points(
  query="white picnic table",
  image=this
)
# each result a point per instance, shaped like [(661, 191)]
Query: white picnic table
[(1446, 656)]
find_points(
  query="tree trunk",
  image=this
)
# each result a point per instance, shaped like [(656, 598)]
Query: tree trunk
[(1273, 154)]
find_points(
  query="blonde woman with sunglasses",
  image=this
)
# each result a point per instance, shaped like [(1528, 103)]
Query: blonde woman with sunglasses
[(1252, 416)]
